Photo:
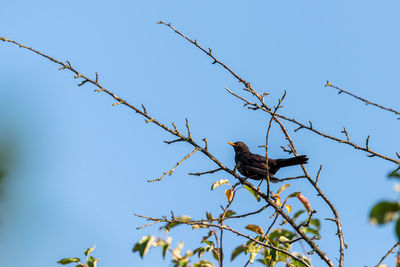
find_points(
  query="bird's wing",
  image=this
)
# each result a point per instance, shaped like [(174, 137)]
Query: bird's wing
[(259, 162), (255, 170)]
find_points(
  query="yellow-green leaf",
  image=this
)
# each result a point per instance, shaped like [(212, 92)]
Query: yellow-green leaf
[(254, 193), (283, 187), (68, 260), (229, 213), (255, 228), (219, 183), (144, 245), (89, 250)]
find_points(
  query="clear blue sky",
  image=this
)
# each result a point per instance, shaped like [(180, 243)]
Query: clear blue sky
[(82, 165)]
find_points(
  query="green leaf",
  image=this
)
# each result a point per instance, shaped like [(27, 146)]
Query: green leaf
[(92, 262), (254, 193), (209, 216), (253, 248), (143, 245), (210, 243), (203, 263), (398, 228), (238, 250), (395, 173), (68, 260), (183, 218), (180, 263), (294, 194), (277, 233), (219, 183), (89, 250), (384, 212), (297, 214), (165, 246), (215, 253), (200, 251), (316, 223), (283, 187), (310, 230), (296, 263), (229, 213)]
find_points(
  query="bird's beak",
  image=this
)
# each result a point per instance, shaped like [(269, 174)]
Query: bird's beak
[(232, 144)]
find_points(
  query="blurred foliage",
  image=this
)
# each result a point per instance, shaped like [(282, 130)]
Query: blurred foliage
[(7, 155), (387, 211), (255, 249), (89, 262)]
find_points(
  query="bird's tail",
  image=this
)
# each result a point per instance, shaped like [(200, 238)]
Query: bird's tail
[(292, 161)]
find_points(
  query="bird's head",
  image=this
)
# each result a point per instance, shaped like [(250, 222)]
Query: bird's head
[(239, 147)]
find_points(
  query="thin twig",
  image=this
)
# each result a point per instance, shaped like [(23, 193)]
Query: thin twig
[(228, 228), (267, 139), (367, 102), (291, 178), (202, 173), (387, 254), (320, 133), (250, 213), (176, 133), (171, 171), (249, 88)]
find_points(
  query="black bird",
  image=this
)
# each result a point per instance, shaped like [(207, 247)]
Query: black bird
[(253, 166)]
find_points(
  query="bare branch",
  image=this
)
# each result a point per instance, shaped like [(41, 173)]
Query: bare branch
[(319, 172), (202, 173), (188, 129), (171, 171), (228, 228), (175, 132), (250, 213), (174, 141), (346, 133), (264, 107), (318, 132), (267, 139), (367, 102), (387, 254), (291, 178)]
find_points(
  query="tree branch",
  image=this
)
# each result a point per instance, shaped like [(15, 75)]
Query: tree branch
[(228, 228), (367, 102)]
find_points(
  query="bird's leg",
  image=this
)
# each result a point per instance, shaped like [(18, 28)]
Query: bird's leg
[(236, 167)]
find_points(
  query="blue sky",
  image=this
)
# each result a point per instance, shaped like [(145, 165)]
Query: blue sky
[(82, 165)]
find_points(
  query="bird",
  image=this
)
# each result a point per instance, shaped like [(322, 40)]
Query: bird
[(253, 166)]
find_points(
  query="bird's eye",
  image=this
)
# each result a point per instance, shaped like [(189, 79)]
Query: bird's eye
[(239, 144)]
